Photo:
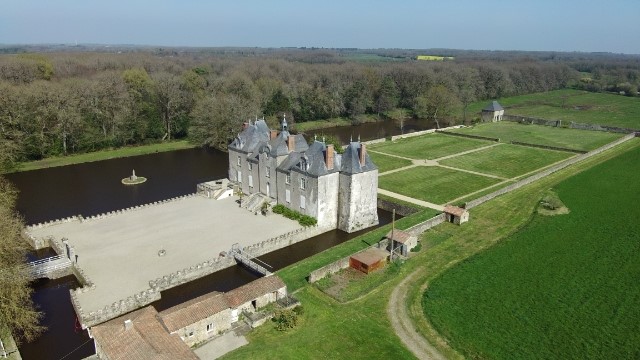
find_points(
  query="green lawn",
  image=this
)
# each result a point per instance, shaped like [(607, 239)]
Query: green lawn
[(542, 135), (430, 146), (329, 123), (579, 106), (562, 287), (507, 160), (104, 155), (386, 163), (434, 184)]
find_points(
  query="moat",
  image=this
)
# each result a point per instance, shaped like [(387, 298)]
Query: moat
[(94, 188)]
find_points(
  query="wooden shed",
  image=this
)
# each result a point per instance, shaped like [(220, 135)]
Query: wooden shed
[(456, 215), (401, 242), (369, 260)]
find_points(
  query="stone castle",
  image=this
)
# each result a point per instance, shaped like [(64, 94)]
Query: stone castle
[(339, 190)]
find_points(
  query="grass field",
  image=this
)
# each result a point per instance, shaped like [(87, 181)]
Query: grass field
[(330, 123), (386, 163), (542, 135), (579, 106), (561, 287), (507, 160), (431, 146), (434, 184), (104, 155)]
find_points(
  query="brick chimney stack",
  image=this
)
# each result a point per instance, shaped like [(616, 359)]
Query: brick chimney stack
[(329, 159), (291, 142), (273, 134), (363, 152)]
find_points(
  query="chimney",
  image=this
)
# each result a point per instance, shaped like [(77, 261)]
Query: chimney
[(128, 325), (363, 152), (329, 160), (273, 134), (291, 142), (245, 125)]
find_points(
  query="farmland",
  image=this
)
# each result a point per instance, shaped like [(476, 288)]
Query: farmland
[(541, 135), (573, 105), (506, 160), (561, 287), (434, 184), (429, 147)]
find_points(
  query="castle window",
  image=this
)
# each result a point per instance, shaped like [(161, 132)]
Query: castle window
[(287, 179), (210, 327), (303, 183), (239, 160), (250, 180), (303, 202), (239, 176), (287, 195), (268, 172), (250, 166), (304, 165)]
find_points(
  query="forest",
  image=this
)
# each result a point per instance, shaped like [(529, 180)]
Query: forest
[(58, 101)]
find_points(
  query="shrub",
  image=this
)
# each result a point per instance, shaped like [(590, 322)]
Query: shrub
[(417, 248), (304, 220), (299, 310), (285, 319)]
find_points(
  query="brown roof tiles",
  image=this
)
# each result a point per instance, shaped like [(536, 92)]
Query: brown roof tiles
[(399, 236), (193, 311), (454, 210), (254, 290)]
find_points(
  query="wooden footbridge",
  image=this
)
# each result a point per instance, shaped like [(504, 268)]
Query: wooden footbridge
[(249, 261), (49, 267)]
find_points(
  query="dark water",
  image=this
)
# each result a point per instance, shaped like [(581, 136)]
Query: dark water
[(94, 188), (373, 130), (63, 337)]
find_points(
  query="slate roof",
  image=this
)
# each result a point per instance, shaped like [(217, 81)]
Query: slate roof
[(280, 145), (249, 139), (454, 210), (493, 106), (315, 158), (253, 290), (400, 236), (351, 160), (147, 339), (194, 310)]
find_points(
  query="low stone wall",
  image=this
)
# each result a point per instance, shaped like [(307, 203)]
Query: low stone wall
[(403, 210), (596, 127), (423, 132), (284, 240), (418, 229), (376, 141), (469, 136), (343, 263), (548, 147), (531, 120), (547, 172)]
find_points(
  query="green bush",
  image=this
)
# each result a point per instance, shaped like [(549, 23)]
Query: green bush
[(417, 248), (285, 319), (299, 310), (304, 220)]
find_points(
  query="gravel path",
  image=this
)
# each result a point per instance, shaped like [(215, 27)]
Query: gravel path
[(402, 325)]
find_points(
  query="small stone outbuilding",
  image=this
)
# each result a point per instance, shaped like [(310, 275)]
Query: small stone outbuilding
[(401, 242), (369, 260), (492, 112), (255, 295), (138, 335), (456, 214), (199, 319)]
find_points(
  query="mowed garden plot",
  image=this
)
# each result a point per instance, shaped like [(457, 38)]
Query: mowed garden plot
[(562, 287), (507, 160), (386, 163), (431, 146), (434, 184), (542, 135)]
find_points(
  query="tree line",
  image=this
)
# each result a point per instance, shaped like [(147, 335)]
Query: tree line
[(62, 103)]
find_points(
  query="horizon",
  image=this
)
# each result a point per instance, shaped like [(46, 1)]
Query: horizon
[(494, 25)]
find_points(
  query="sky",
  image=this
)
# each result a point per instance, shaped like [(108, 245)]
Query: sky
[(543, 25)]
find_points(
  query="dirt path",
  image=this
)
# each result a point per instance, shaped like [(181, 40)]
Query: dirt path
[(411, 200), (402, 325)]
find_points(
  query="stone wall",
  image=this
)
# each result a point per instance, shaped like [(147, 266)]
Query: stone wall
[(532, 121), (548, 147), (343, 263), (468, 136), (596, 127), (548, 171), (375, 141), (284, 240), (403, 210)]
